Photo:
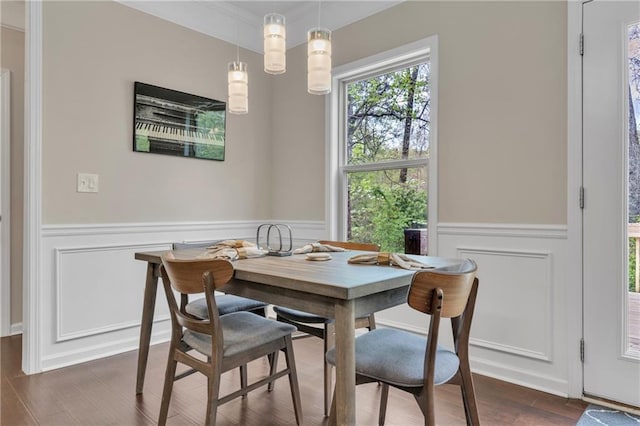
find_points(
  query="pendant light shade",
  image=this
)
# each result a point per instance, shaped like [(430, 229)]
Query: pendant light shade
[(275, 44), (238, 81), (319, 61)]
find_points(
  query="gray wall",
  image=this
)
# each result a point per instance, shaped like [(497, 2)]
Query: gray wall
[(93, 53), (502, 118)]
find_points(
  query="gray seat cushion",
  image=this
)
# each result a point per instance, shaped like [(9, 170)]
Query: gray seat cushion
[(227, 303), (397, 357), (299, 316), (242, 331)]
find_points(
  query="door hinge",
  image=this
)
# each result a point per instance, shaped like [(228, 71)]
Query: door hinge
[(581, 45), (581, 196), (582, 350)]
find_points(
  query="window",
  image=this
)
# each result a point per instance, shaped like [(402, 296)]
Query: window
[(382, 146)]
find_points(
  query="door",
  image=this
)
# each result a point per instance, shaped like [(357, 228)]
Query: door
[(611, 169)]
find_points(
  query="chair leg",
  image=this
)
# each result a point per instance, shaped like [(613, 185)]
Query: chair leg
[(243, 379), (372, 322), (333, 419), (328, 369), (468, 395), (293, 379), (425, 401), (384, 396), (213, 389), (273, 367), (168, 387)]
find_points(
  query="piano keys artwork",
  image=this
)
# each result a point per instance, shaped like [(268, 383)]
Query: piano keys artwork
[(176, 123)]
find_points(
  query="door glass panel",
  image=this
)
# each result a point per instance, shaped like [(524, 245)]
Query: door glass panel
[(633, 98)]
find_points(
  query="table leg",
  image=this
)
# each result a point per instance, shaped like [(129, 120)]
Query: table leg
[(345, 394), (148, 307)]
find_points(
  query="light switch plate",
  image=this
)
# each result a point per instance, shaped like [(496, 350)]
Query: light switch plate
[(87, 182)]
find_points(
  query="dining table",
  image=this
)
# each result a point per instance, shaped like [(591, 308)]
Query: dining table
[(332, 288)]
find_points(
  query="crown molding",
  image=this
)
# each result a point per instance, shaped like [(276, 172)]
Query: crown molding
[(235, 23)]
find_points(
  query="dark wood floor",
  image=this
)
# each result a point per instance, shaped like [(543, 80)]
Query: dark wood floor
[(103, 393)]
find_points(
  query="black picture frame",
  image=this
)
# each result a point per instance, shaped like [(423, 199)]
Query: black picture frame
[(170, 122)]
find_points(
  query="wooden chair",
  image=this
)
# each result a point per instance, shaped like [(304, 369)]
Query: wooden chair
[(415, 364), (303, 320), (226, 303), (227, 341)]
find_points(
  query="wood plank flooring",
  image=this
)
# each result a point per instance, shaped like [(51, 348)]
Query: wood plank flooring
[(102, 392)]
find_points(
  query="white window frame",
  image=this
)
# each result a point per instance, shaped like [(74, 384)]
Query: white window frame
[(335, 198)]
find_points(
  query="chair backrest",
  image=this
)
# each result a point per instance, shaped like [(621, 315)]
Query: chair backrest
[(350, 245), (199, 244), (190, 277), (451, 285), (186, 276)]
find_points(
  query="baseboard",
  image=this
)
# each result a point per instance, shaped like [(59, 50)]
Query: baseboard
[(521, 377), (91, 353)]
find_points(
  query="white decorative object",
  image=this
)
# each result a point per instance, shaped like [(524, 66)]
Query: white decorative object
[(319, 61), (238, 88), (275, 44)]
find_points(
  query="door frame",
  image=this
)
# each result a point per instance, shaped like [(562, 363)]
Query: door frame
[(574, 290), (5, 203), (32, 231)]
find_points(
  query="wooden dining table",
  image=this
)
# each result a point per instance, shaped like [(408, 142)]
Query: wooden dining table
[(333, 289)]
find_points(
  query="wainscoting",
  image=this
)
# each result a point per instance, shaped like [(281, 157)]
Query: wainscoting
[(92, 291), (519, 333), (92, 287)]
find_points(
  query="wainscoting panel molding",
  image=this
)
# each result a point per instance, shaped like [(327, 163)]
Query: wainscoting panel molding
[(92, 287), (519, 331), (99, 290), (509, 276)]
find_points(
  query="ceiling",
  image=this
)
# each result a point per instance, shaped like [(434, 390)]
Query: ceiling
[(240, 22)]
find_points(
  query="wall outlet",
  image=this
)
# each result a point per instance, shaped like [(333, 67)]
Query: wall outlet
[(87, 182)]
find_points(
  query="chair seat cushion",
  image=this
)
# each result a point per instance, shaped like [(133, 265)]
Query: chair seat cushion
[(299, 316), (227, 303), (397, 357), (242, 331)]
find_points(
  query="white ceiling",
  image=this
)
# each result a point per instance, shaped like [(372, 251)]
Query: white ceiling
[(240, 22)]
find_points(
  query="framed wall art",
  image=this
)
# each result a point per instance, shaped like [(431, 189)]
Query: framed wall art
[(176, 123)]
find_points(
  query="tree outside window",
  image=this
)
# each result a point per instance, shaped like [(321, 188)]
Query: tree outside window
[(387, 123)]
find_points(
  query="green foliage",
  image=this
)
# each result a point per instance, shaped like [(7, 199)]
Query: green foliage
[(387, 119), (212, 152), (142, 143), (377, 112), (381, 208)]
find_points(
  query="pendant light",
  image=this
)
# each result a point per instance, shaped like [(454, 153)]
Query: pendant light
[(275, 44), (238, 86), (319, 59)]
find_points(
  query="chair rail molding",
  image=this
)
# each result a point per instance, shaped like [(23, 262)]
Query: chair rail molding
[(504, 230)]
